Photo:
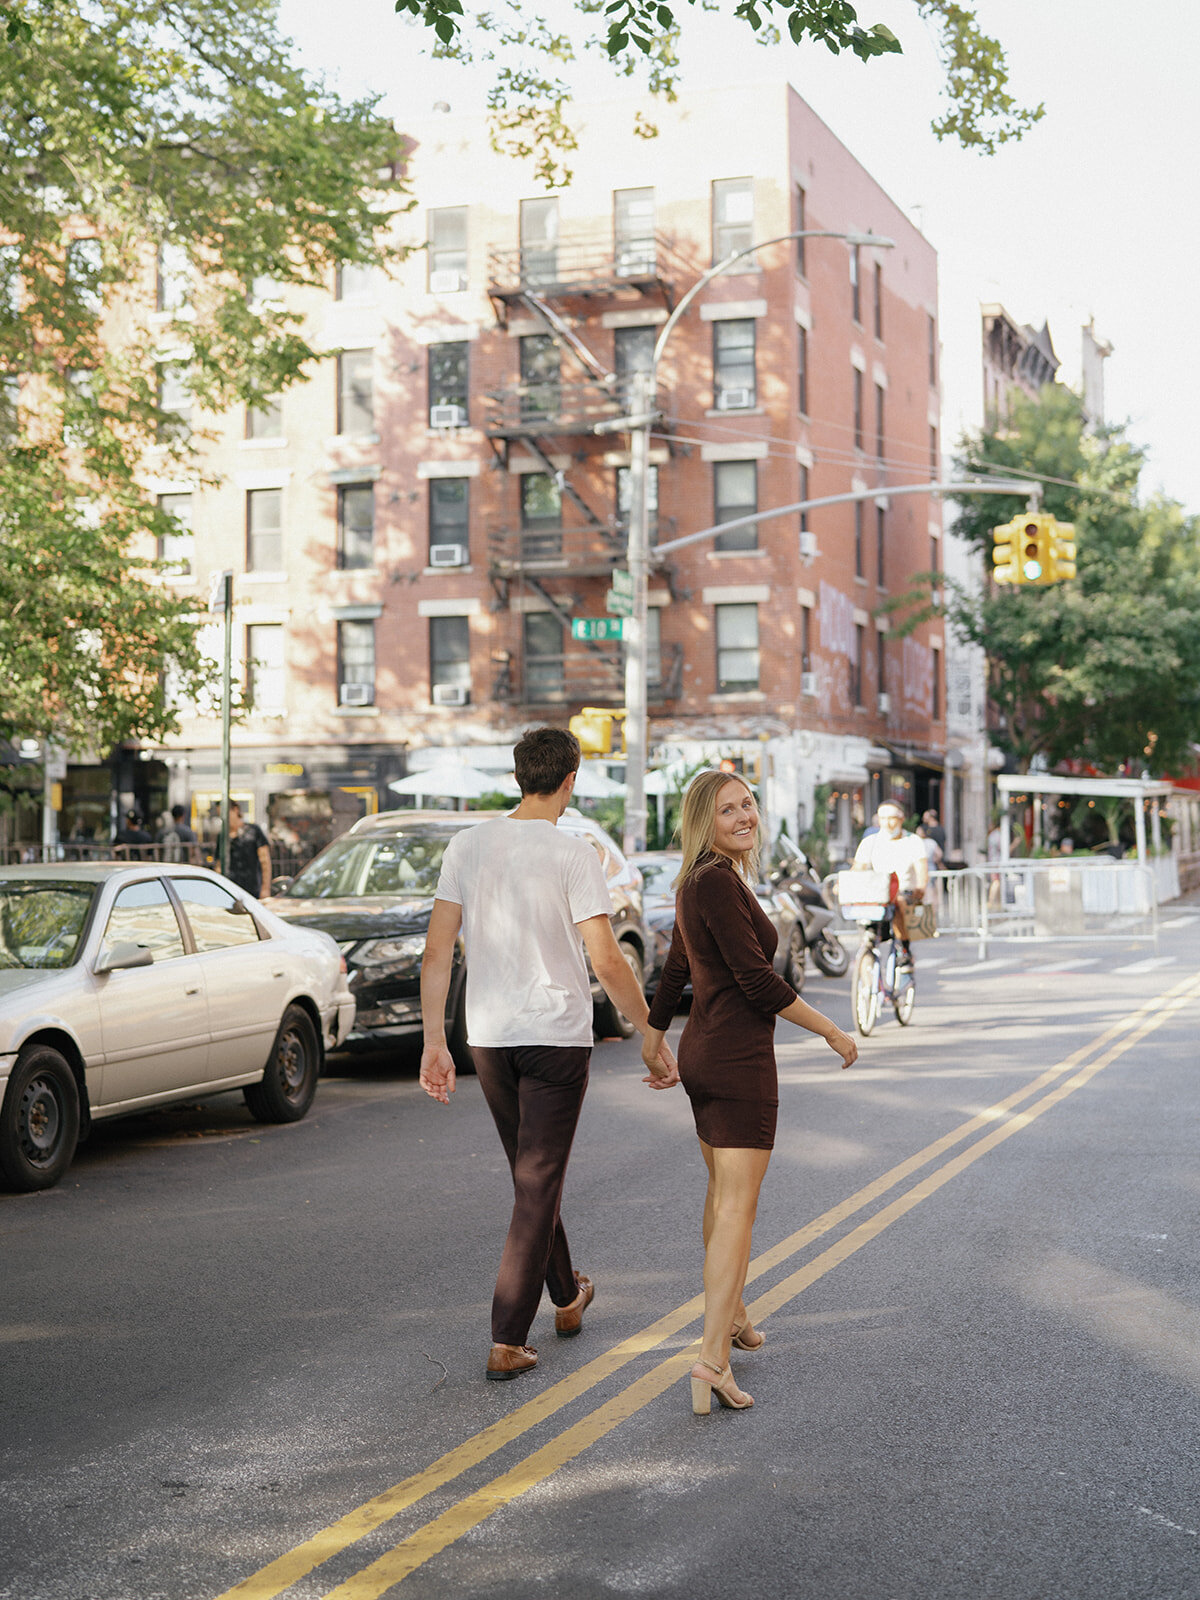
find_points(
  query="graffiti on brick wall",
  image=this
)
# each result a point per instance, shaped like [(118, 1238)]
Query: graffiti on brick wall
[(917, 663), (837, 621)]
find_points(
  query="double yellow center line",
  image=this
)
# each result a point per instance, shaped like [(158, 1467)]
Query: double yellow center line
[(996, 1124)]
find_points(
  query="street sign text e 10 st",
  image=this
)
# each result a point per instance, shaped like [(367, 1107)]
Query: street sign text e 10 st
[(596, 629)]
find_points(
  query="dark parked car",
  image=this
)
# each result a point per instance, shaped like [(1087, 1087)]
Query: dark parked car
[(372, 890)]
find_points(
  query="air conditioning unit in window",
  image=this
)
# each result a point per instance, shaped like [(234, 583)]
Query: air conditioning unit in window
[(450, 694), (447, 281), (447, 417), (636, 262), (808, 683), (355, 694), (734, 399), (808, 544), (885, 704), (449, 555)]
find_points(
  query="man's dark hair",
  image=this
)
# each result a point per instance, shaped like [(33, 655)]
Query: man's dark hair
[(178, 813), (544, 759)]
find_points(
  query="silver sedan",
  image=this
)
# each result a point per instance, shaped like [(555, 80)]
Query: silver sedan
[(126, 986)]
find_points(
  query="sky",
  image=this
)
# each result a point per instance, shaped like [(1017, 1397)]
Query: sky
[(1092, 215)]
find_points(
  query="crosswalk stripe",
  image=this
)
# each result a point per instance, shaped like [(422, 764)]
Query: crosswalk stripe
[(984, 966), (1148, 965)]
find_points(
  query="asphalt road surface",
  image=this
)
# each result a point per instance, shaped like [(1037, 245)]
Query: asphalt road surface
[(247, 1361)]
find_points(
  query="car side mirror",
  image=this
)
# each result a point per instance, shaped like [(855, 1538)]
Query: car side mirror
[(123, 956), (281, 885)]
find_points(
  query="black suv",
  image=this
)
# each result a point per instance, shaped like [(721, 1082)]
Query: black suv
[(372, 890)]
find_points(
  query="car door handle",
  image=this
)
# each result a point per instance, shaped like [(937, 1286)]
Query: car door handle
[(192, 989), (280, 974)]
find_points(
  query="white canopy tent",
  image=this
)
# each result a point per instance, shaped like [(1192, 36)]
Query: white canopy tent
[(1138, 790)]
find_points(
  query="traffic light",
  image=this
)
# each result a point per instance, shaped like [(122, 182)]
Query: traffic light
[(1062, 556), (1033, 548), (1035, 533), (593, 727), (1007, 568)]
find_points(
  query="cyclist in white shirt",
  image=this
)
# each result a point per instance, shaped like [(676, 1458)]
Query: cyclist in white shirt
[(893, 850)]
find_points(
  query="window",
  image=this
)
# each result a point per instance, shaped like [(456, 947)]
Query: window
[(625, 498), (934, 548), (805, 638), (178, 546), (802, 369), (858, 409), (859, 568), (880, 544), (84, 262), (354, 280), (264, 666), (933, 454), (735, 494), (633, 351), (633, 232), (449, 652), (448, 389), (539, 241), (856, 664), (264, 530), (541, 514), (732, 217), (932, 337), (356, 525), (356, 398), (449, 511), (734, 386), (265, 421), (936, 711), (879, 300), (804, 496), (142, 914), (881, 663), (172, 279), (265, 290), (543, 656), (356, 663), (540, 375), (737, 648), (880, 392), (798, 225), (856, 282), (216, 917), (654, 648), (174, 400), (447, 249)]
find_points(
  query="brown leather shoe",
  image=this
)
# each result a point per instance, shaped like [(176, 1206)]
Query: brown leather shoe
[(507, 1361), (569, 1319)]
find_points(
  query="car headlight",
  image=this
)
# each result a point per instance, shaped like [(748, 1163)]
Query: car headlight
[(375, 952)]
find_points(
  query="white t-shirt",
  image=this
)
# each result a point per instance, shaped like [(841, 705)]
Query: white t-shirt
[(902, 856), (523, 887)]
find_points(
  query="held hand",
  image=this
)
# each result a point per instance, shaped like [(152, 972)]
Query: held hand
[(664, 1070), (845, 1047), (437, 1073)]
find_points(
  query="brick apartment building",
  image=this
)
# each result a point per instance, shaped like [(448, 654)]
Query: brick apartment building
[(412, 530)]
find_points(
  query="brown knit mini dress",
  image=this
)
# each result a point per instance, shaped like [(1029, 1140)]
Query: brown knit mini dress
[(724, 942)]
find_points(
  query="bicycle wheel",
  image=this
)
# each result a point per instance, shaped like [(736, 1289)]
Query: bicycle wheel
[(905, 1000), (865, 990)]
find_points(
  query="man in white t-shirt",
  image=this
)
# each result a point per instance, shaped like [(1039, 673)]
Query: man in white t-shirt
[(529, 898), (893, 850)]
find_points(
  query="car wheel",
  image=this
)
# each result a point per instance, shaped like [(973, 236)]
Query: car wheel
[(290, 1081), (608, 1022), (39, 1121), (797, 950), (456, 1034)]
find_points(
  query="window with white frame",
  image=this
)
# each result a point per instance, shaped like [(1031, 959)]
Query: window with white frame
[(732, 217), (172, 278), (354, 280), (174, 400), (265, 667), (356, 663), (633, 232), (450, 653), (737, 648), (734, 380), (633, 352), (544, 677), (735, 494), (356, 525), (356, 393), (541, 375), (177, 546), (447, 249), (539, 240), (264, 530), (448, 384), (265, 421), (449, 512)]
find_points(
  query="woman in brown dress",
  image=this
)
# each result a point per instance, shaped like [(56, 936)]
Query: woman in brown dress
[(724, 943)]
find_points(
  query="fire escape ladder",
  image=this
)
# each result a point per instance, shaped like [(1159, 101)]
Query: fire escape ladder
[(563, 616), (565, 485), (591, 364)]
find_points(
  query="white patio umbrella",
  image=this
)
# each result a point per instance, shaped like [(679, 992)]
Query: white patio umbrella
[(454, 780), (592, 784)]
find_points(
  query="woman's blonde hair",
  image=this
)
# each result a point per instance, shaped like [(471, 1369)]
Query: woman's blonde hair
[(698, 823)]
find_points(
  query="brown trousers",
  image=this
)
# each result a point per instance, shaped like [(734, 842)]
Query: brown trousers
[(535, 1093)]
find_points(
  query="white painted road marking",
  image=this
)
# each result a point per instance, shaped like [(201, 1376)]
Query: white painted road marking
[(1149, 965)]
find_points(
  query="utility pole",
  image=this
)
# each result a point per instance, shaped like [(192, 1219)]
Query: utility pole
[(221, 599)]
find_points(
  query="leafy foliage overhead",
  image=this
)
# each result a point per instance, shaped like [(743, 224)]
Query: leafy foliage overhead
[(136, 132)]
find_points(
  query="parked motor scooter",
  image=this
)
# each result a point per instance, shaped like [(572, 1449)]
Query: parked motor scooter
[(794, 875)]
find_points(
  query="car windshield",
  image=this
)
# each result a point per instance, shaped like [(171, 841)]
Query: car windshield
[(399, 863), (41, 923), (658, 877)]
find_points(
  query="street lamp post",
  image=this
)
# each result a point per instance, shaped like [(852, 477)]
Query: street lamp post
[(639, 423)]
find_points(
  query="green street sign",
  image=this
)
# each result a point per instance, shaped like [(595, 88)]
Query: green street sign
[(622, 582), (620, 605), (597, 628)]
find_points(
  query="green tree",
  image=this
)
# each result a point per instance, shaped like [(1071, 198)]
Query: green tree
[(1104, 668), (530, 58), (130, 127)]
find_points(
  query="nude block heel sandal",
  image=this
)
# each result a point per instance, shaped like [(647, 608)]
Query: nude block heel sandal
[(722, 1383)]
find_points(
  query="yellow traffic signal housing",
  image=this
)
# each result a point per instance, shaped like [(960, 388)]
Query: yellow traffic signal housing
[(593, 727), (1062, 559), (1004, 554), (1033, 548)]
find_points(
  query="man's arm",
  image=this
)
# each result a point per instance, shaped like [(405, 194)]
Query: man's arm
[(264, 862), (618, 982), (437, 1064)]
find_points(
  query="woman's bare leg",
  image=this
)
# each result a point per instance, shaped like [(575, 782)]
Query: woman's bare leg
[(735, 1177)]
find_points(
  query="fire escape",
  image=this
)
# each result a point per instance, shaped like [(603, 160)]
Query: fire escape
[(553, 549)]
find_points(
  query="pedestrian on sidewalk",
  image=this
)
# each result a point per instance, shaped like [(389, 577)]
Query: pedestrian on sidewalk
[(725, 943), (529, 899)]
